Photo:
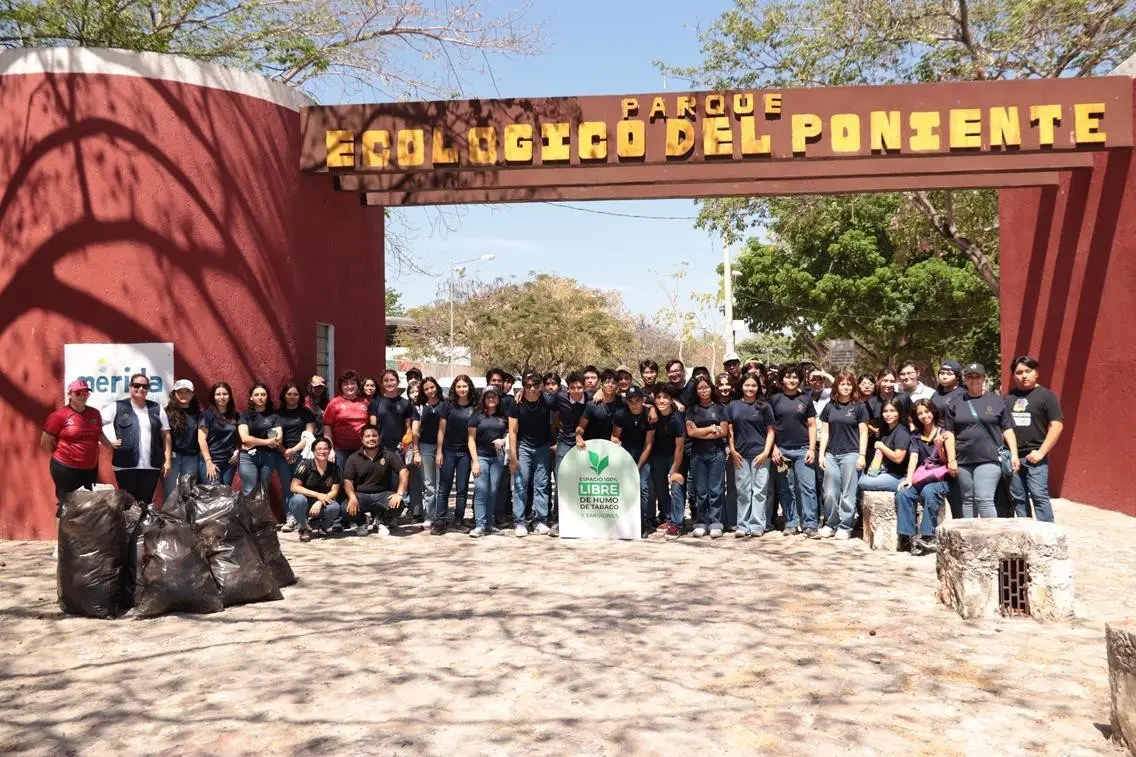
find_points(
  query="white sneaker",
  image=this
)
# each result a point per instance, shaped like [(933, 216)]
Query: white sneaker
[(476, 532), (825, 532), (427, 524), (843, 535), (698, 532), (289, 525), (521, 530), (542, 529), (740, 534), (715, 533), (381, 530)]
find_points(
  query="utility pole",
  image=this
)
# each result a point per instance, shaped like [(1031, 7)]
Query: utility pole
[(728, 294)]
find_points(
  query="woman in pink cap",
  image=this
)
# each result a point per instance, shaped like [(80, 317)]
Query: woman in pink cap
[(71, 435)]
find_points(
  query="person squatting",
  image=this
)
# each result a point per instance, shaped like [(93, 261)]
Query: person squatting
[(752, 449)]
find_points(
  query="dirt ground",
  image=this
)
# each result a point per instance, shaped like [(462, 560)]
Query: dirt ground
[(423, 645)]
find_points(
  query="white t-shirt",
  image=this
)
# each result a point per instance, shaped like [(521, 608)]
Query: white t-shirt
[(142, 418)]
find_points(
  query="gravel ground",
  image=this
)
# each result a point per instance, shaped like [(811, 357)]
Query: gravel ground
[(422, 645)]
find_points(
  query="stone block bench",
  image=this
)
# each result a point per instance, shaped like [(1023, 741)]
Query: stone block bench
[(879, 519), (1121, 642), (1013, 567)]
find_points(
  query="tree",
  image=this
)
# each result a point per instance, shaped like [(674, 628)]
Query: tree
[(775, 348), (848, 267), (783, 43), (393, 300), (545, 323)]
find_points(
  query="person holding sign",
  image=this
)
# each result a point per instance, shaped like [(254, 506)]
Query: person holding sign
[(708, 428), (139, 431), (631, 428), (71, 435), (752, 432)]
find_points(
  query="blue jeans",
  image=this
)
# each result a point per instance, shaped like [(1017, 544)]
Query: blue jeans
[(881, 482), (709, 471), (256, 467), (429, 480), (225, 471), (298, 507), (485, 490), (932, 494), (1032, 482), (457, 463), (180, 465), (671, 498), (533, 468), (562, 450), (840, 478), (979, 483), (797, 489), (372, 503), (285, 470), (753, 496)]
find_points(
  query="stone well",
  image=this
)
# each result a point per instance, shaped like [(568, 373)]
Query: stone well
[(993, 566), (1121, 643)]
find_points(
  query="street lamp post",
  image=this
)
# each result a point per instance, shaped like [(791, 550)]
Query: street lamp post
[(455, 265), (728, 295)]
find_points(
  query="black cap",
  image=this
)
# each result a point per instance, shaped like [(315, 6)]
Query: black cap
[(633, 392), (974, 369), (491, 388), (952, 365)]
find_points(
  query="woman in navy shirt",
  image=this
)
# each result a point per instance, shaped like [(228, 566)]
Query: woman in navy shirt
[(453, 448), (752, 430), (843, 450), (889, 461), (488, 427), (425, 431), (217, 436), (708, 428), (294, 420), (795, 454), (980, 422), (261, 440), (183, 412)]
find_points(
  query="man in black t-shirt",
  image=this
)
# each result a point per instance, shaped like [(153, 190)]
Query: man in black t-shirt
[(314, 486), (632, 429), (367, 479), (1036, 416)]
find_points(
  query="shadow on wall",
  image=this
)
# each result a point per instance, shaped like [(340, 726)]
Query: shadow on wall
[(141, 210)]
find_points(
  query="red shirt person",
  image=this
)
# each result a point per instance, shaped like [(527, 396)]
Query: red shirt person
[(71, 434), (345, 416)]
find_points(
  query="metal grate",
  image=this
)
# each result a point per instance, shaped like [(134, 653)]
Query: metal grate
[(1013, 587)]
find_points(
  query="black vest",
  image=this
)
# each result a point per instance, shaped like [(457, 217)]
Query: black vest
[(126, 429)]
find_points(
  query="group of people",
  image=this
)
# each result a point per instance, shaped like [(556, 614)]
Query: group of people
[(737, 447)]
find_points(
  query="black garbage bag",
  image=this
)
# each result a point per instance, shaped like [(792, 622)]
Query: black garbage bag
[(221, 524), (263, 529), (179, 502), (92, 533), (172, 572), (130, 555)]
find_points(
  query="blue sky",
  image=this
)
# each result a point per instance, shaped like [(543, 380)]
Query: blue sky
[(593, 47)]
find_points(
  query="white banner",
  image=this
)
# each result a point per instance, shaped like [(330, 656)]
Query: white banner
[(108, 367), (599, 493)]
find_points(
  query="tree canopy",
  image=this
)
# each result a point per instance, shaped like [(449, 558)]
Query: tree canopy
[(403, 48)]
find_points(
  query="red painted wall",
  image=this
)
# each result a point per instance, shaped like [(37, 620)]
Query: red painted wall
[(143, 210), (1068, 265)]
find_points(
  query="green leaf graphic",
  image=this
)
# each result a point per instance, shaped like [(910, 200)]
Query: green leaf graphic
[(601, 466), (594, 461)]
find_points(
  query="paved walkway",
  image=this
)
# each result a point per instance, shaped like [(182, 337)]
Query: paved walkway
[(446, 645)]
